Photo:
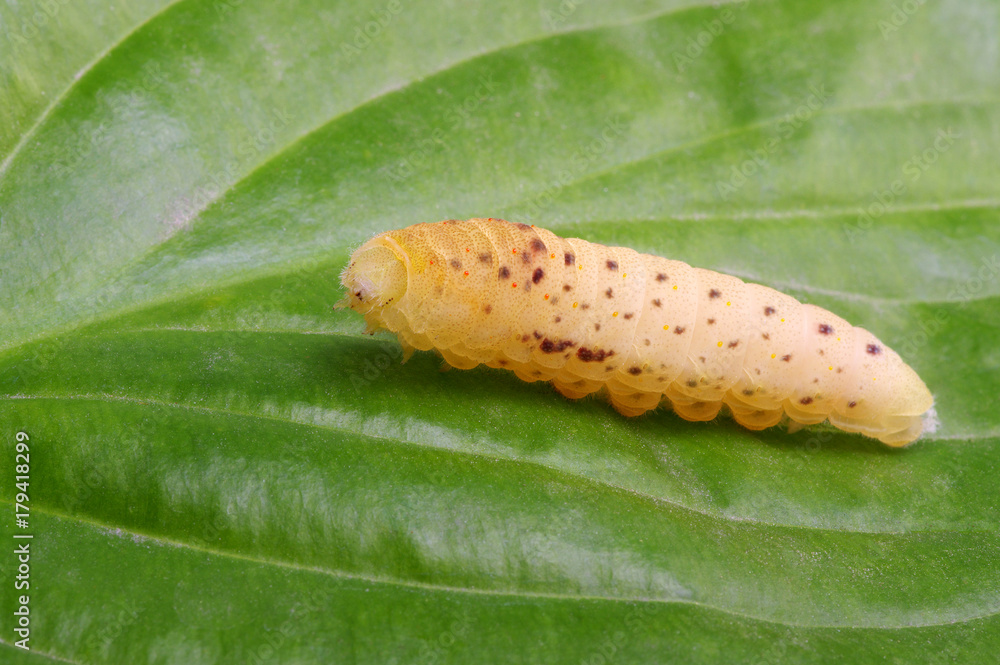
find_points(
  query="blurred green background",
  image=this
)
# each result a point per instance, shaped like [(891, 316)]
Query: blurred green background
[(225, 470)]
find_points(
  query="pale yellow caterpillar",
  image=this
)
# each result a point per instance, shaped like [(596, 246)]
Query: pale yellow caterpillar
[(586, 317)]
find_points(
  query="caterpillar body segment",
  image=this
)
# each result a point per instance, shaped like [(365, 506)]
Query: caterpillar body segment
[(588, 317)]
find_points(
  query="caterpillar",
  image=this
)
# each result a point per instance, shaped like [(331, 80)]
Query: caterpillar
[(646, 329)]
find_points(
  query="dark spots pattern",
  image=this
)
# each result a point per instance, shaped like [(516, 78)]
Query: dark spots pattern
[(733, 345), (714, 293), (537, 276), (873, 349), (657, 303), (679, 330), (851, 404), (612, 265), (523, 226), (585, 306), (646, 342), (597, 326), (504, 272), (635, 370), (768, 311), (609, 293), (628, 316), (765, 335), (593, 355), (569, 258), (567, 287), (748, 392), (525, 257), (548, 346), (825, 329), (537, 245), (806, 400), (557, 319), (537, 335), (691, 383), (787, 357), (486, 257), (455, 263), (711, 322), (661, 277), (487, 308)]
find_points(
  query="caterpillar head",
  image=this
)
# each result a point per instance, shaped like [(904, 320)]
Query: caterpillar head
[(375, 278)]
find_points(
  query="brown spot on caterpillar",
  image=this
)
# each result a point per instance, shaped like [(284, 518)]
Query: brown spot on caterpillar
[(567, 287), (486, 257), (548, 346), (585, 306), (609, 293), (628, 316), (661, 379), (609, 368), (765, 336), (711, 322), (593, 355), (554, 300), (597, 326), (612, 265), (691, 383), (679, 330), (455, 263), (646, 342), (569, 258), (525, 257), (825, 329), (787, 357), (806, 400), (873, 349), (557, 319), (634, 370), (661, 277), (502, 363), (487, 308), (714, 293), (523, 226), (703, 359), (851, 404), (504, 272), (537, 276), (768, 311), (747, 392), (734, 344), (537, 245), (537, 334), (839, 370), (822, 352), (816, 380), (657, 303)]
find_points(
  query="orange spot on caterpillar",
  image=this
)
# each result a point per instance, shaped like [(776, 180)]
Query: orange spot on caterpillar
[(552, 256), (575, 304), (513, 285), (546, 296), (466, 273), (615, 314)]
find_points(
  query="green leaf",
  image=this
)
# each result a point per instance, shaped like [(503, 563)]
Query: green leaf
[(223, 469)]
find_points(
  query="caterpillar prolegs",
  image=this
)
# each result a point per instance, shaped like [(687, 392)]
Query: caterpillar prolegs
[(585, 317)]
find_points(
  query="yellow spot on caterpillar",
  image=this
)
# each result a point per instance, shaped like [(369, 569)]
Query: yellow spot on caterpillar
[(675, 287), (666, 327), (615, 314), (624, 275), (728, 304), (552, 256), (782, 320), (719, 345), (830, 368), (774, 355), (575, 304)]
